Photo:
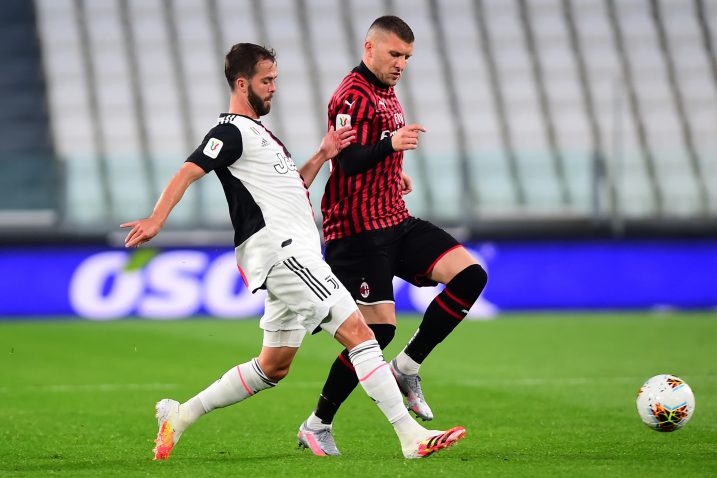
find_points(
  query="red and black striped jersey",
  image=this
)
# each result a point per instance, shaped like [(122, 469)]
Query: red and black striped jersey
[(371, 199)]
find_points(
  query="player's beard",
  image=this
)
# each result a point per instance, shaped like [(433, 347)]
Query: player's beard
[(260, 106)]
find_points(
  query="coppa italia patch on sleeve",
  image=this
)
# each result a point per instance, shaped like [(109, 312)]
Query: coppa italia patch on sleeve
[(342, 120), (213, 147)]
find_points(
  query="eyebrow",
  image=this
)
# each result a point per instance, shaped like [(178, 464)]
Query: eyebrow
[(396, 52)]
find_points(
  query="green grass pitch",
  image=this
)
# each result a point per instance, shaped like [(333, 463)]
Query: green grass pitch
[(541, 395)]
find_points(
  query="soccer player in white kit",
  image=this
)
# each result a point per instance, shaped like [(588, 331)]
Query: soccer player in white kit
[(277, 248)]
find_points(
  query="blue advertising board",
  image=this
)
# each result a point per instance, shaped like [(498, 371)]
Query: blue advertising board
[(104, 283)]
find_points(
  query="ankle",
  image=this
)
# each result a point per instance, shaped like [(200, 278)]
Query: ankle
[(190, 411), (315, 422), (408, 430), (406, 364)]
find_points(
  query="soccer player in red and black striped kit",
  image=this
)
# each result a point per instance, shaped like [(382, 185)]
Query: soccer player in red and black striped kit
[(371, 237)]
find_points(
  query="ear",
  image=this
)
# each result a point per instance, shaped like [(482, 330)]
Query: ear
[(368, 48), (241, 84)]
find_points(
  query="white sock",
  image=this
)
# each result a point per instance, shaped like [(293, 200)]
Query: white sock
[(315, 422), (189, 412), (406, 364), (377, 380), (235, 385)]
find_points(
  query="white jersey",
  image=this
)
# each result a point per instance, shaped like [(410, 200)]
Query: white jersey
[(268, 200)]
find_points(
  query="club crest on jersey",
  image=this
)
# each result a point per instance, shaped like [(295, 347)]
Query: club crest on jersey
[(213, 147), (342, 120), (364, 290)]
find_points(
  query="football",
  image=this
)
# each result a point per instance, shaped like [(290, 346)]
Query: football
[(665, 403)]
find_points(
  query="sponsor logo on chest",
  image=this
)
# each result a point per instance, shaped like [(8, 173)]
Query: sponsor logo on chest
[(398, 122)]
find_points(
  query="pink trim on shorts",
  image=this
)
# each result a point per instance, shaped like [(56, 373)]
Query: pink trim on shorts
[(430, 268), (243, 277)]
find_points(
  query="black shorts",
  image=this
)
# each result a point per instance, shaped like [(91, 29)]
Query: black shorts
[(367, 262)]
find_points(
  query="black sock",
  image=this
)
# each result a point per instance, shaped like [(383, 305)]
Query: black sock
[(342, 377), (447, 311)]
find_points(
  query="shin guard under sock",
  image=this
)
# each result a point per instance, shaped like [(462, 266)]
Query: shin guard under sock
[(446, 311), (342, 378)]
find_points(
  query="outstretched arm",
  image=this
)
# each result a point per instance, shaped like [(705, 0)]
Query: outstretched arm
[(333, 143), (360, 158), (145, 229)]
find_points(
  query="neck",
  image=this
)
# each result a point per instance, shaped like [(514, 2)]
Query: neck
[(369, 65), (370, 75), (239, 105)]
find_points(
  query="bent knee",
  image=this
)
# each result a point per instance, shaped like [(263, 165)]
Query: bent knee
[(478, 274), (384, 333), (275, 374), (355, 330), (469, 283)]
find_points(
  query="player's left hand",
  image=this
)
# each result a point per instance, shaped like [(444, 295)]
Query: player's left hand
[(336, 140), (406, 183)]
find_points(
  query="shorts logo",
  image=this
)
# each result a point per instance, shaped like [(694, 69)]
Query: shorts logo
[(364, 290), (213, 147), (342, 120), (333, 282)]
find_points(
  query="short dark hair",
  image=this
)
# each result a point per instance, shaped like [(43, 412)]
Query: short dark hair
[(242, 60), (393, 24)]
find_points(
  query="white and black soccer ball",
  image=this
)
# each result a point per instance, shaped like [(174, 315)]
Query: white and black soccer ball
[(665, 403)]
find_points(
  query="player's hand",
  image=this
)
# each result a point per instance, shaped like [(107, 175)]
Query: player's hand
[(406, 183), (407, 137), (336, 140), (142, 231)]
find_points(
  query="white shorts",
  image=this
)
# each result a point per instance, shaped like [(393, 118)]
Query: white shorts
[(303, 294)]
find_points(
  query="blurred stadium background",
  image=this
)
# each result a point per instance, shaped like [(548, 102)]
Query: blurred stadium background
[(572, 145)]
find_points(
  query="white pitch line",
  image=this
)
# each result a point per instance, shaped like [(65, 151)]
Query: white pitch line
[(100, 387), (473, 383), (537, 382)]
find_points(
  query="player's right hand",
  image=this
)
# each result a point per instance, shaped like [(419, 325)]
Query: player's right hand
[(407, 137), (406, 184), (142, 231), (336, 140)]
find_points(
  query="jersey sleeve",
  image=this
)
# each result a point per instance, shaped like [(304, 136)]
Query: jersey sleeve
[(355, 108), (221, 147)]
